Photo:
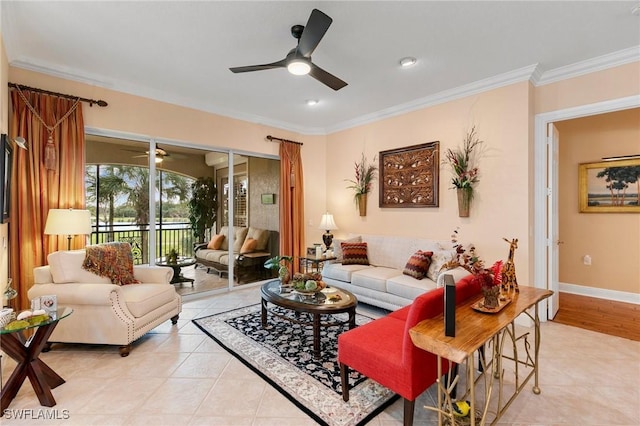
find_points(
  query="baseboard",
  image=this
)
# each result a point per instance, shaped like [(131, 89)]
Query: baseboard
[(618, 296)]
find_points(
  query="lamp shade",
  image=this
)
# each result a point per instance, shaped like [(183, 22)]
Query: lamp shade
[(68, 222), (327, 222)]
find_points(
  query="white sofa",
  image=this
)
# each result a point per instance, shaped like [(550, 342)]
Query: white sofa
[(105, 313), (382, 283)]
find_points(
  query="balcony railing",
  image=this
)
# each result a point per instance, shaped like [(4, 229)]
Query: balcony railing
[(169, 235)]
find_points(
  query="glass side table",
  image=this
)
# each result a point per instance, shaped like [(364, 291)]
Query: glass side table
[(26, 352)]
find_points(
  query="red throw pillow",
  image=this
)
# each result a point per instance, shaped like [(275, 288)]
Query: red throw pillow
[(418, 264), (216, 242), (354, 254)]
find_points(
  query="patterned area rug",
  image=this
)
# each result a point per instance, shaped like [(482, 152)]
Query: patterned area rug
[(282, 353)]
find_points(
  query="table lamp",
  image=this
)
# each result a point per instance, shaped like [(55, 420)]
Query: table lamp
[(327, 224), (68, 222)]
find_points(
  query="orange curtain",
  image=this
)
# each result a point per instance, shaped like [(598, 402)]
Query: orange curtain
[(292, 241), (34, 189)]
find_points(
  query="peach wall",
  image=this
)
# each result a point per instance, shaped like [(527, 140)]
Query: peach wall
[(501, 206), (134, 114), (612, 83), (504, 203), (611, 239)]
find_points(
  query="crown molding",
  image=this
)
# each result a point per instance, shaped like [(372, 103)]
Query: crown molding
[(599, 63), (501, 80), (146, 92), (60, 72), (533, 73)]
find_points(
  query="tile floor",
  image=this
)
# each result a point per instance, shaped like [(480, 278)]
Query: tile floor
[(179, 376)]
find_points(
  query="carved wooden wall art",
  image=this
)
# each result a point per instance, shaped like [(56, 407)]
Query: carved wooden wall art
[(409, 176)]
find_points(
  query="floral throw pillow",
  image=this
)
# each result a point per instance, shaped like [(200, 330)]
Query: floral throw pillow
[(354, 254), (418, 264), (438, 259)]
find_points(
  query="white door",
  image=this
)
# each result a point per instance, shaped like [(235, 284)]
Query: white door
[(553, 241)]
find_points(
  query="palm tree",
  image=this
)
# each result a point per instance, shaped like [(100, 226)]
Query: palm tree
[(105, 185)]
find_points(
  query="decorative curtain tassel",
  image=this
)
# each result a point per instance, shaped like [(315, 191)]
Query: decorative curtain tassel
[(50, 154)]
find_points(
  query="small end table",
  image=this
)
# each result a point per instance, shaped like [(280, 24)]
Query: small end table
[(314, 264), (182, 262), (27, 355)]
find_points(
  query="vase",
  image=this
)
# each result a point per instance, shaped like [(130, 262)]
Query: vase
[(362, 204), (491, 295), (283, 274), (464, 201)]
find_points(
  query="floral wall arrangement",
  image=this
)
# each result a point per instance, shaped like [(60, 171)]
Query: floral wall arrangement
[(463, 162), (365, 173)]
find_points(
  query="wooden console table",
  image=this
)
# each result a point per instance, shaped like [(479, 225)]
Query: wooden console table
[(474, 330)]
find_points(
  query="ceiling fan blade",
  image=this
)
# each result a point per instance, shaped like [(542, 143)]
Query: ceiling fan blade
[(279, 64), (315, 29), (326, 78)]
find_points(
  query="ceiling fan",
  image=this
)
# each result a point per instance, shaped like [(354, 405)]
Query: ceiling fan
[(161, 154), (298, 60)]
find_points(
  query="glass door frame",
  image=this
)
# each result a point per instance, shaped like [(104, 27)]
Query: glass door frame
[(153, 142)]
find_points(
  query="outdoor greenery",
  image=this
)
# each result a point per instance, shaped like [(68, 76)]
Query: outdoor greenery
[(119, 195)]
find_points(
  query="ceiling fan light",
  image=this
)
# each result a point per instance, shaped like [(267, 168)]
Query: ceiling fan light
[(298, 67), (159, 159)]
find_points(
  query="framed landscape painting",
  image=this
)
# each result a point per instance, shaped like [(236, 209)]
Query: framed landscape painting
[(609, 186)]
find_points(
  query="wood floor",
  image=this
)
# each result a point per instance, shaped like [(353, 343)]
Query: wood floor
[(604, 316)]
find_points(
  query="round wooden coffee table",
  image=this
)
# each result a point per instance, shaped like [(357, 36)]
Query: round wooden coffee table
[(329, 301)]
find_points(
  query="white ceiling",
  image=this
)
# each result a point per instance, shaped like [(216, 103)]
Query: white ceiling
[(180, 52)]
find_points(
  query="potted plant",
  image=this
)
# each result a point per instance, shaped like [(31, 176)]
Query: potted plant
[(203, 207), (465, 171), (280, 264), (361, 185), (172, 256)]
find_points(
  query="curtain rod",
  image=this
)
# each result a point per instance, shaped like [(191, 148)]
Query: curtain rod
[(273, 138), (62, 95)]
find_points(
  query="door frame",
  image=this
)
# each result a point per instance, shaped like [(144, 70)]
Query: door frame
[(542, 213)]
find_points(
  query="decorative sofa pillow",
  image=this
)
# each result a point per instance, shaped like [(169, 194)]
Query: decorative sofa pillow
[(216, 242), (337, 246), (438, 259), (249, 246), (113, 260), (261, 236), (354, 254), (418, 264)]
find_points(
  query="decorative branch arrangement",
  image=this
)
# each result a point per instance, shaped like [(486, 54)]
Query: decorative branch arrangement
[(463, 162), (365, 173)]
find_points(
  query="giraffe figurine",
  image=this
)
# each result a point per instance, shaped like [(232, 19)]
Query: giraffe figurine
[(509, 281)]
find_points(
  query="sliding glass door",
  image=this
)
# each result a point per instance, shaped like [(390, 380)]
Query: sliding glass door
[(142, 191)]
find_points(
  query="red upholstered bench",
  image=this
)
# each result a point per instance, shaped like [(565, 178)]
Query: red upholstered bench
[(383, 350)]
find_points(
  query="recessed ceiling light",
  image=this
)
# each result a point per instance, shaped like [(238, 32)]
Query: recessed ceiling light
[(312, 102), (408, 61)]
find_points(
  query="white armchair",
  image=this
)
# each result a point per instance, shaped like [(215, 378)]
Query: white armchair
[(105, 313)]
